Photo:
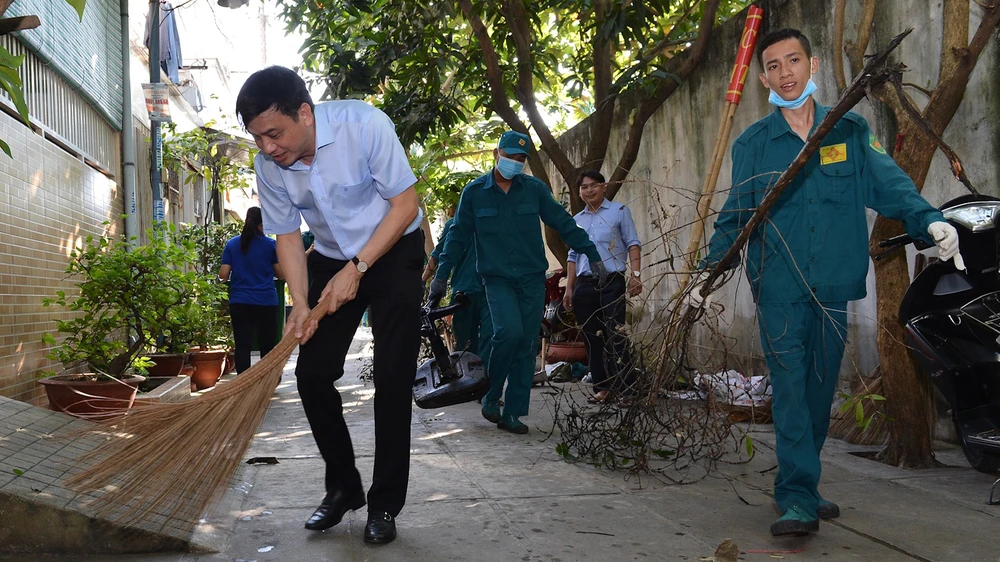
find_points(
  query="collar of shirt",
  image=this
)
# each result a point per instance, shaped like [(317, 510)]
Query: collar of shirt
[(324, 136), (605, 204), (343, 195), (778, 126)]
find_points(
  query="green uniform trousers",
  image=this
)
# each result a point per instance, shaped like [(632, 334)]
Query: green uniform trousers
[(516, 307), (473, 326), (803, 345)]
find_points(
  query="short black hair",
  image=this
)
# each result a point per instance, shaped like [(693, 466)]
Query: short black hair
[(273, 87), (779, 35), (592, 174)]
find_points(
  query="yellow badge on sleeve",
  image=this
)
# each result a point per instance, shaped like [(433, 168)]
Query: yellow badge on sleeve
[(833, 154), (876, 146)]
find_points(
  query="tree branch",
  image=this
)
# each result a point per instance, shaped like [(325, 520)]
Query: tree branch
[(856, 51), (660, 95), (956, 163), (494, 78), (603, 116), (838, 44), (521, 31)]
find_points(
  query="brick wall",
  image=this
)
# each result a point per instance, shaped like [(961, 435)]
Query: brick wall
[(49, 201)]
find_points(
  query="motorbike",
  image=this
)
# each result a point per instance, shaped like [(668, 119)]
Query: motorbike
[(951, 320), (561, 339)]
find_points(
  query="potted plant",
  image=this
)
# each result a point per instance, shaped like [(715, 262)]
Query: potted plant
[(210, 329), (208, 323), (124, 297)]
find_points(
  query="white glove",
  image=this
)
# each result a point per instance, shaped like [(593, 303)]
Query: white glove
[(694, 298), (946, 238)]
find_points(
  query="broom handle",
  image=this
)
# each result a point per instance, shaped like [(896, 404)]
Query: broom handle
[(289, 341), (734, 93)]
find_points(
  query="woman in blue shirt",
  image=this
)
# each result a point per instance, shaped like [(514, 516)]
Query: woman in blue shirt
[(250, 260), (600, 311)]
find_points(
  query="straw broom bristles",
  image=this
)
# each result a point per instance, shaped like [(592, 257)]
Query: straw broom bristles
[(174, 459)]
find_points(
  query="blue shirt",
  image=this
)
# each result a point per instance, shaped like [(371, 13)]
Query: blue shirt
[(359, 165), (505, 230), (464, 278), (252, 277), (611, 228), (814, 243)]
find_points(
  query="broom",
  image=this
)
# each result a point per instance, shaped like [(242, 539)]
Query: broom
[(174, 459)]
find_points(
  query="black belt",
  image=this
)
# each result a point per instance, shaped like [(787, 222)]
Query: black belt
[(588, 278)]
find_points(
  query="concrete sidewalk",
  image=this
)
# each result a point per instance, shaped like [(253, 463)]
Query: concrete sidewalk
[(477, 493)]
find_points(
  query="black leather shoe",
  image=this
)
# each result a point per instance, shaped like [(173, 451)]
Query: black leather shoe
[(332, 510), (381, 528)]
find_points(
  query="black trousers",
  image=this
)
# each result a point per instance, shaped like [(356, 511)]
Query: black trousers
[(248, 319), (601, 314), (393, 289)]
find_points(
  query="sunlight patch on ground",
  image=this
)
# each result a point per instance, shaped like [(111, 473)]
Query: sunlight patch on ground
[(294, 434), (439, 435)]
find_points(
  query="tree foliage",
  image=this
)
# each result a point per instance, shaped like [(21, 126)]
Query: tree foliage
[(453, 75)]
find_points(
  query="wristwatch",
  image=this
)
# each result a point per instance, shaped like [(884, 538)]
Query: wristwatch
[(636, 273), (362, 266)]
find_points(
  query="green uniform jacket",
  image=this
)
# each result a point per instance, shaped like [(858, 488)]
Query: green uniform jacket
[(505, 227), (815, 240), (464, 278)]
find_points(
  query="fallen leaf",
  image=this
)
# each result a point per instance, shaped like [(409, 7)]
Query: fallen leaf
[(727, 552)]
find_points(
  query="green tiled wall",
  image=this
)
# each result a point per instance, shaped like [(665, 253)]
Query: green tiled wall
[(86, 54)]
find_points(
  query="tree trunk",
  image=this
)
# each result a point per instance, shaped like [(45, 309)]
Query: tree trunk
[(909, 403)]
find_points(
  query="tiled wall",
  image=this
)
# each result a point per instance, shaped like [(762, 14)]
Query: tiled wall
[(49, 201)]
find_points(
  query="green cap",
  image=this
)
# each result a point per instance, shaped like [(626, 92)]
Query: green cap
[(513, 142)]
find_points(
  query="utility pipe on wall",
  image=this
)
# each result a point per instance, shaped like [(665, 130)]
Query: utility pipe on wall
[(128, 132)]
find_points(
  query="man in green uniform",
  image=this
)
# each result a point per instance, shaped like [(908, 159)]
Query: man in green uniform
[(810, 257), (471, 324), (498, 213)]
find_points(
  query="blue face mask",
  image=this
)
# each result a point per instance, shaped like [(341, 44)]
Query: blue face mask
[(796, 103), (509, 168)]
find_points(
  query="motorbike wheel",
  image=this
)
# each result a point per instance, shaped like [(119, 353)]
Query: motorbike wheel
[(980, 459)]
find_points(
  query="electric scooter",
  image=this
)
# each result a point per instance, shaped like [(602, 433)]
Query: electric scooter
[(447, 379), (952, 326)]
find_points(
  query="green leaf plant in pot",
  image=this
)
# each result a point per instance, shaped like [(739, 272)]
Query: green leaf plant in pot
[(209, 332), (214, 328), (113, 317)]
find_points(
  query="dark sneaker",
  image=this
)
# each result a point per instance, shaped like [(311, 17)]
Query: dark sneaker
[(795, 522), (512, 424), (827, 510), (491, 411)]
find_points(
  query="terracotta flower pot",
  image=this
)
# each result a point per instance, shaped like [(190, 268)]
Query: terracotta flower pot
[(86, 396), (569, 351), (167, 364), (208, 367), (230, 363)]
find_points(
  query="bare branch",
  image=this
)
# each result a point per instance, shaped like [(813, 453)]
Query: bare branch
[(956, 163)]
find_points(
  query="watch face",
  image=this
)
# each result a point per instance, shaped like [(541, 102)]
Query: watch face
[(635, 274), (362, 266)]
